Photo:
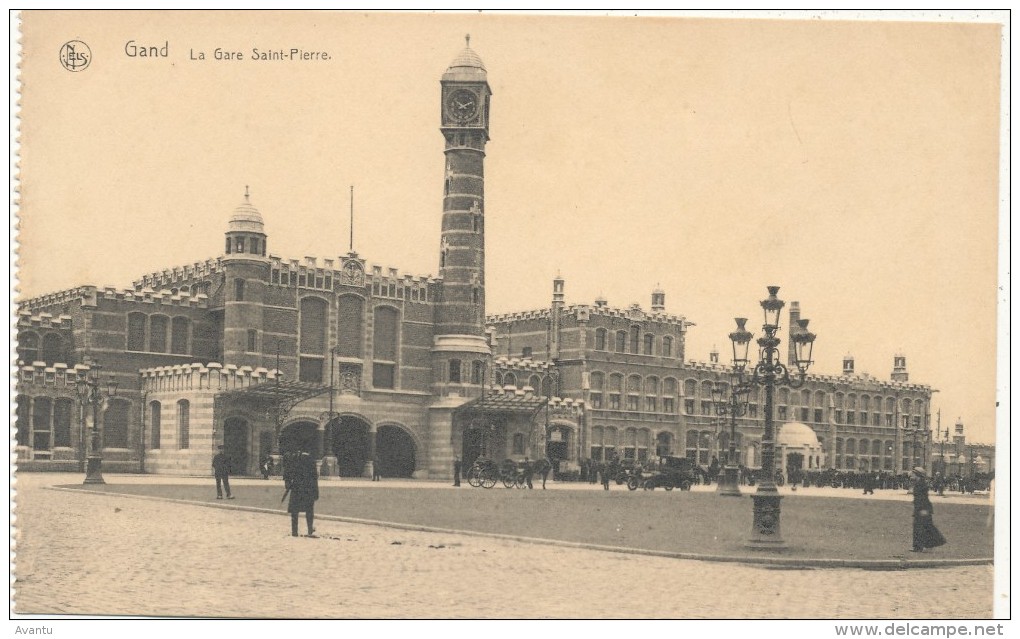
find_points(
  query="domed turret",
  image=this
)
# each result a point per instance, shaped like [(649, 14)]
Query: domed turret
[(246, 235)]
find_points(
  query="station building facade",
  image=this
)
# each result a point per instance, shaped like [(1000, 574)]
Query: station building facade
[(365, 365)]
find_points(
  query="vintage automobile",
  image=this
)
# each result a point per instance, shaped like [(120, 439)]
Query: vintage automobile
[(673, 472)]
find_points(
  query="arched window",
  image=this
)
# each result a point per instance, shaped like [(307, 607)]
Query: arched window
[(115, 424), (669, 387), (314, 312), (63, 409), (350, 331), (649, 341), (621, 341), (547, 387), (633, 392), (28, 348), (597, 382), (180, 328), (52, 348), (22, 422), (535, 382), (454, 372), (183, 424), (509, 379), (156, 417), (498, 379), (136, 332), (41, 415), (667, 346), (253, 339), (615, 390), (600, 339), (255, 246), (663, 444), (158, 328), (651, 394), (384, 346)]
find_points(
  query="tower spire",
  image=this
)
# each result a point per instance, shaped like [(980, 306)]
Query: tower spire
[(352, 219)]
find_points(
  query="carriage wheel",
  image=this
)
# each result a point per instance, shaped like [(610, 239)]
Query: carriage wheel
[(509, 481), (474, 480), (488, 481), (685, 485), (668, 486), (632, 483)]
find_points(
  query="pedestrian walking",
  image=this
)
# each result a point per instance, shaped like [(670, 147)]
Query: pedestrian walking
[(546, 467), (302, 483), (221, 469), (456, 471), (926, 535), (266, 466), (529, 471), (604, 472), (869, 484)]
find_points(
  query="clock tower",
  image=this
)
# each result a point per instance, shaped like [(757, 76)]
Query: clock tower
[(460, 311)]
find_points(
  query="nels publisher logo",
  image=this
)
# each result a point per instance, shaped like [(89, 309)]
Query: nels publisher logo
[(75, 56)]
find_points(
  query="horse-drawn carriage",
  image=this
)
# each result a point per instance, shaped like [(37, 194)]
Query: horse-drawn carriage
[(487, 473)]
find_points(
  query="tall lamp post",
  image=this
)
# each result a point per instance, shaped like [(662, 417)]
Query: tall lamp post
[(734, 405), (90, 391), (770, 372)]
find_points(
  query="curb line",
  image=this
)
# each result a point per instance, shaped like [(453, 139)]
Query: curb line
[(865, 564)]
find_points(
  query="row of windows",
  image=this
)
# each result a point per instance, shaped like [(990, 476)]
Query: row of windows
[(52, 348), (303, 279), (44, 423), (459, 372), (255, 245), (541, 384), (638, 344), (158, 333), (312, 346), (192, 289), (321, 280)]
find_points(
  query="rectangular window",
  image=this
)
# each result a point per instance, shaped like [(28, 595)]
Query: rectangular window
[(454, 371), (688, 406), (596, 400), (876, 419), (596, 453), (850, 417), (805, 413), (318, 281), (62, 411), (329, 282), (818, 414), (183, 424), (781, 412), (301, 279), (839, 416), (632, 402), (889, 421), (383, 375), (136, 332), (650, 404), (276, 277), (668, 405), (752, 410), (310, 369), (706, 408), (239, 290), (157, 333), (252, 339), (614, 401), (526, 352), (179, 336), (285, 278)]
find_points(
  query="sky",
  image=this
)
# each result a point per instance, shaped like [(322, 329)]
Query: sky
[(853, 163)]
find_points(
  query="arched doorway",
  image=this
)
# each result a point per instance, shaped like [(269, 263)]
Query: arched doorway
[(473, 446), (395, 450), (235, 444), (299, 436), (350, 444)]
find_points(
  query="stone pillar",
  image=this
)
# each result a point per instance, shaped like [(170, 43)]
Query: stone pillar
[(370, 462)]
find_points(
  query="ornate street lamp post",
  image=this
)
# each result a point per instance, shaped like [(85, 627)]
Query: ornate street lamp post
[(89, 390), (734, 405), (768, 373)]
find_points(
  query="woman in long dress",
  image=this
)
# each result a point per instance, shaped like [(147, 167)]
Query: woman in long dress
[(926, 535)]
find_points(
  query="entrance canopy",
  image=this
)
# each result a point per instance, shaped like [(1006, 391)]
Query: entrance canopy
[(286, 393), (502, 403)]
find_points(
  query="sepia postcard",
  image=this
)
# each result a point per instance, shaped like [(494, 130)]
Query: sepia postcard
[(685, 317)]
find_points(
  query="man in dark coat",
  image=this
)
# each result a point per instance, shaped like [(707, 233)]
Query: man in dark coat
[(926, 535), (456, 471), (221, 469), (302, 482)]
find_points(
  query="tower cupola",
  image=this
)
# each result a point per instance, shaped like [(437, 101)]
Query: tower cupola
[(658, 300), (246, 235)]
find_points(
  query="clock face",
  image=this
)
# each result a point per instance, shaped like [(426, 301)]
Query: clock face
[(462, 105)]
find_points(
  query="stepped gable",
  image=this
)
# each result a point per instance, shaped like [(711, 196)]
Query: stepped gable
[(179, 274)]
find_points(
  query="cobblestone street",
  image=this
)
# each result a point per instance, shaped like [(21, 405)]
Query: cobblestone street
[(116, 555)]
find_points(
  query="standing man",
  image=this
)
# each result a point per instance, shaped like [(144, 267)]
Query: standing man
[(375, 468), (302, 482), (221, 469), (545, 468), (529, 472), (456, 470)]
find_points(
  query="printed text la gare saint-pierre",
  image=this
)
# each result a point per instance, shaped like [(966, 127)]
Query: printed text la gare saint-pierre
[(135, 49)]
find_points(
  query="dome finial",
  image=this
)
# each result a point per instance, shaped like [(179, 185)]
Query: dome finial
[(467, 39), (246, 194)]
